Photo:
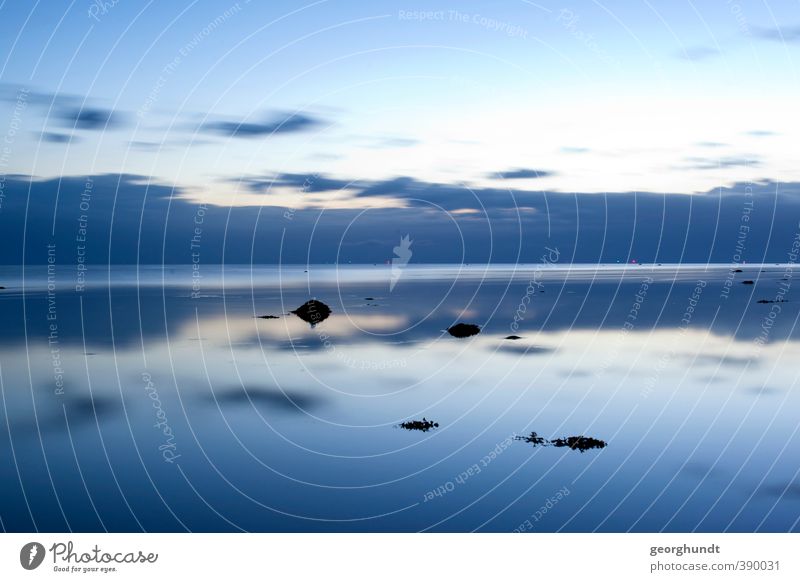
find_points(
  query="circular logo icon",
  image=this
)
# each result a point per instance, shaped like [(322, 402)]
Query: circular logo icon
[(31, 555)]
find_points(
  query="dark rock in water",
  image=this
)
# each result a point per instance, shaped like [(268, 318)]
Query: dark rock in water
[(771, 301), (533, 439), (267, 317), (512, 337), (313, 312), (369, 299), (579, 443), (464, 330), (1, 288), (424, 425), (736, 271), (747, 282)]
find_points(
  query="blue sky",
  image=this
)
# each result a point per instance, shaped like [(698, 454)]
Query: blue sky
[(453, 103)]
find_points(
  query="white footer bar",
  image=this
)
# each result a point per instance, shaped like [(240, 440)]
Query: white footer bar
[(426, 557)]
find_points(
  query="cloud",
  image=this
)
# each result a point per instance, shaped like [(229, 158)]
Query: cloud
[(521, 174), (402, 187), (10, 92), (397, 142), (698, 53), (718, 360), (305, 182), (786, 34), (52, 137), (761, 133), (453, 197), (69, 109), (135, 219), (291, 123), (171, 144), (696, 163), (383, 141), (147, 146), (412, 192), (89, 118)]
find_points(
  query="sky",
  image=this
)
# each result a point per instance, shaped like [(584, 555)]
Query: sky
[(325, 131)]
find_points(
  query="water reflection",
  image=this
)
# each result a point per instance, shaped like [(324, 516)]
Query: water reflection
[(288, 423)]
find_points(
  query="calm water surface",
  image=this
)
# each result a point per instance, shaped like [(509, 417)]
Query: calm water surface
[(152, 399)]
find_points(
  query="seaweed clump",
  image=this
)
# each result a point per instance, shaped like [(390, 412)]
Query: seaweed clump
[(579, 443), (313, 312), (576, 443), (424, 425), (533, 439)]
